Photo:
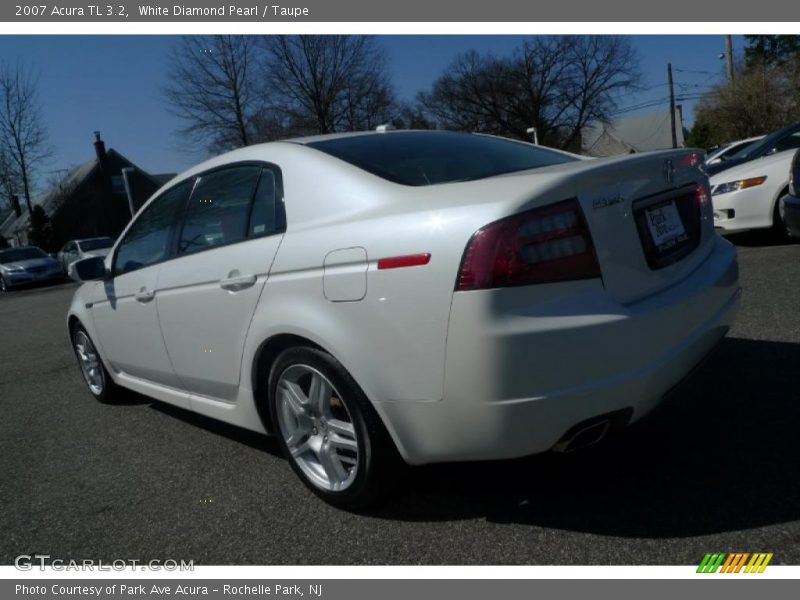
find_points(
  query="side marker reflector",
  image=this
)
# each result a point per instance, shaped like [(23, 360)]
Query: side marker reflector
[(409, 260)]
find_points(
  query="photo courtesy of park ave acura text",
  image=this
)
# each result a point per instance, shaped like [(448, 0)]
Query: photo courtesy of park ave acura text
[(399, 300)]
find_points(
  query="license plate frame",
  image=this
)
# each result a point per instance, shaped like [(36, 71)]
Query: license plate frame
[(665, 225)]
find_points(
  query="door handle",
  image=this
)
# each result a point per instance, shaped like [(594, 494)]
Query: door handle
[(144, 295), (234, 283)]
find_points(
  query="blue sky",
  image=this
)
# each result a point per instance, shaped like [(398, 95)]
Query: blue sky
[(112, 84)]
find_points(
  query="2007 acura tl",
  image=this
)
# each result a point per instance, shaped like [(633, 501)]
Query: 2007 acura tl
[(437, 296)]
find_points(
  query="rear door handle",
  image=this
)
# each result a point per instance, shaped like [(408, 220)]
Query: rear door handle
[(144, 295), (234, 283)]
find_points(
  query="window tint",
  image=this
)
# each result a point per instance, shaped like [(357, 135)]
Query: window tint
[(266, 216), (96, 244), (788, 143), (147, 241), (219, 209), (426, 158)]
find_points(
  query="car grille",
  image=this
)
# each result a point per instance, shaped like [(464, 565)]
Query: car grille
[(36, 269)]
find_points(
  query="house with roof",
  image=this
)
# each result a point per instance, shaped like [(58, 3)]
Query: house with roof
[(91, 200), (636, 133)]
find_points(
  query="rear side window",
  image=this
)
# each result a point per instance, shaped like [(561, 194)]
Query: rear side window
[(147, 240), (266, 216), (219, 209), (429, 157)]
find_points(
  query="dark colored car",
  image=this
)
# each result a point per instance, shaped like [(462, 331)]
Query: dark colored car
[(791, 203), (777, 141)]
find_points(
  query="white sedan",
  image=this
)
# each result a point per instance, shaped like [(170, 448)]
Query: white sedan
[(750, 195), (424, 296)]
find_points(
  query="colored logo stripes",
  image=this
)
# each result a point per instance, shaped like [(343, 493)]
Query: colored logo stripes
[(734, 562)]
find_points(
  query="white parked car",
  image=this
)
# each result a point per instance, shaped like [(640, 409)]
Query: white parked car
[(723, 153), (79, 249), (751, 195), (438, 296)]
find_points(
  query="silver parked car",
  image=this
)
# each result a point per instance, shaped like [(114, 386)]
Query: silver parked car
[(26, 264)]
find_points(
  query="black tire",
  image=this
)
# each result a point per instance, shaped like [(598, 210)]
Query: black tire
[(4, 287), (779, 228), (378, 464), (110, 393)]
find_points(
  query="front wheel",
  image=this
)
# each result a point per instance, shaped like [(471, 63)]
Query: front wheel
[(97, 379), (328, 430), (778, 222), (4, 287)]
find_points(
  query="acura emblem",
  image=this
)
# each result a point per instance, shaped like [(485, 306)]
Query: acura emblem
[(668, 170)]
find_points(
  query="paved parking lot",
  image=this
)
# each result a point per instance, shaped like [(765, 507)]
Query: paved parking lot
[(715, 469)]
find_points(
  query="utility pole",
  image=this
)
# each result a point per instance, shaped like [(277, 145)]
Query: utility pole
[(672, 106), (729, 56)]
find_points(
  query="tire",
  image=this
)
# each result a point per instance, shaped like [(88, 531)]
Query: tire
[(329, 431), (778, 225), (4, 287), (95, 375)]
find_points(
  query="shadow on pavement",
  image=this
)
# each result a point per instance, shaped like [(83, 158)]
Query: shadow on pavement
[(722, 454)]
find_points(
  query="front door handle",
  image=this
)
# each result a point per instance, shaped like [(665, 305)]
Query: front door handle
[(235, 282), (144, 295)]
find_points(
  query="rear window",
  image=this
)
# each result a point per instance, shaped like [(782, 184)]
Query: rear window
[(428, 158)]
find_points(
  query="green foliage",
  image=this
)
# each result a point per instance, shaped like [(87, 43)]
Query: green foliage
[(701, 135)]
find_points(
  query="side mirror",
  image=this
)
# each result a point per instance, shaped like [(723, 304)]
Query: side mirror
[(88, 269)]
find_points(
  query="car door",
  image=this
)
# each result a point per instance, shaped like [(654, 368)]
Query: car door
[(228, 238), (124, 308)]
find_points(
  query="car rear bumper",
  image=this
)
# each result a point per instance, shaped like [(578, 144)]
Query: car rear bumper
[(791, 214), (518, 378)]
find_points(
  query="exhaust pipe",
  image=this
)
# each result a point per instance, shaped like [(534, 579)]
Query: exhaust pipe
[(583, 436), (591, 431)]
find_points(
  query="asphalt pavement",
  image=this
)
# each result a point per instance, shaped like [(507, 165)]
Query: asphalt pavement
[(714, 469)]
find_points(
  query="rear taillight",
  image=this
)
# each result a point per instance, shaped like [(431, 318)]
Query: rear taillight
[(701, 196), (543, 245)]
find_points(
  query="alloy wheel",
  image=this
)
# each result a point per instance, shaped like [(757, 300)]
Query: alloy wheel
[(317, 428), (89, 362)]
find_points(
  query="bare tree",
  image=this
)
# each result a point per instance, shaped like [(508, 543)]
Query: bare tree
[(556, 84), (22, 132), (213, 88), (9, 178), (762, 97), (324, 84)]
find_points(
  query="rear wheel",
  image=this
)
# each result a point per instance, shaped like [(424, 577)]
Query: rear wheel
[(328, 430), (91, 365)]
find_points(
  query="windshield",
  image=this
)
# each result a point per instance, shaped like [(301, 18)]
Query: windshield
[(758, 147), (430, 157), (17, 254), (95, 244)]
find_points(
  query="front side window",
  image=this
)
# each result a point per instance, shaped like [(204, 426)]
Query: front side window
[(219, 209), (788, 143), (147, 240)]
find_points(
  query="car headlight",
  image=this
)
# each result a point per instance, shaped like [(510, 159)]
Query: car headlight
[(740, 184), (15, 269)]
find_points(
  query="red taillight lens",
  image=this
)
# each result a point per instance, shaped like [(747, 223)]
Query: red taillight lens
[(543, 245), (693, 159), (701, 195)]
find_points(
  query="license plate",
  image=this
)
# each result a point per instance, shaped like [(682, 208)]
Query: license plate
[(665, 225)]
